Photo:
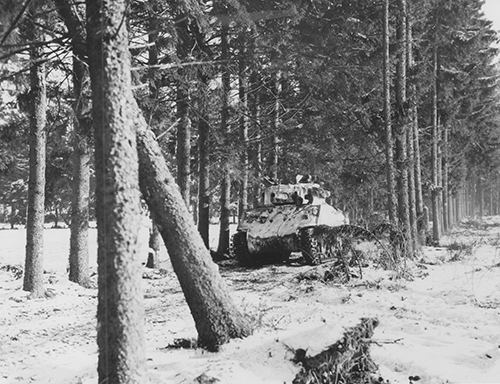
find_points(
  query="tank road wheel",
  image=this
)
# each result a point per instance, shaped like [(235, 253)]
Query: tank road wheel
[(314, 247), (240, 249)]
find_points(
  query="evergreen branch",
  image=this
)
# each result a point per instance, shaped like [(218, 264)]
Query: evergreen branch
[(15, 22)]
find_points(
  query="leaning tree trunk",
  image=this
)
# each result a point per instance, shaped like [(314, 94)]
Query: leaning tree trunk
[(389, 156), (225, 186), (204, 163), (120, 311), (33, 269), (216, 316), (79, 250), (402, 129), (243, 123)]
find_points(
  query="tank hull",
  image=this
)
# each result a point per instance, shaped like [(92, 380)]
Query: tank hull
[(273, 229)]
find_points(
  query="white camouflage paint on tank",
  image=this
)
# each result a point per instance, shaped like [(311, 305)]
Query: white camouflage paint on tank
[(272, 224)]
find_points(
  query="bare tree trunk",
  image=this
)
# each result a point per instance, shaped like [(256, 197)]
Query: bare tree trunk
[(204, 164), (33, 268), (480, 196), (120, 312), (154, 246), (411, 89), (402, 128), (434, 152), (446, 224), (243, 85), (215, 315), (275, 126), (153, 33), (12, 217), (389, 156), (255, 112), (440, 173), (79, 253), (225, 194), (183, 153)]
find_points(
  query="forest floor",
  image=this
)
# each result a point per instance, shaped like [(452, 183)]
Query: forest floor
[(439, 324)]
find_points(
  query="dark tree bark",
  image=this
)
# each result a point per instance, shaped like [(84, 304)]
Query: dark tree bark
[(183, 152), (243, 123), (33, 268), (79, 253), (402, 125), (216, 317), (389, 156), (225, 186), (434, 150), (204, 163), (120, 312)]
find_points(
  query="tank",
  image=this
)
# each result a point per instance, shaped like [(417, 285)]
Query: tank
[(290, 218)]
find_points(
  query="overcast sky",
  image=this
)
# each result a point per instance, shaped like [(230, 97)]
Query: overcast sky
[(492, 11)]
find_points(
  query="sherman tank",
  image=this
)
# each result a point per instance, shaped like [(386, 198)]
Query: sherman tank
[(290, 218)]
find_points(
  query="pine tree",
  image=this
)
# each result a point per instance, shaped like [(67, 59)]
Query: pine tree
[(120, 311), (33, 269), (225, 183), (389, 156)]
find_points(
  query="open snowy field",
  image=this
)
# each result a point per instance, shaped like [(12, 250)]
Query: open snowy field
[(442, 324)]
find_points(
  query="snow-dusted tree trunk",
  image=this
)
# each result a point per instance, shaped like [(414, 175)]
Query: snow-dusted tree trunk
[(153, 260), (402, 124), (120, 313), (33, 268), (204, 163), (412, 94), (79, 253), (276, 79), (445, 191), (215, 314), (243, 123), (389, 156), (183, 152), (225, 184), (434, 150)]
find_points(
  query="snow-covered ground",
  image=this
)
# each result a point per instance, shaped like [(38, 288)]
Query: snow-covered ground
[(442, 325)]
